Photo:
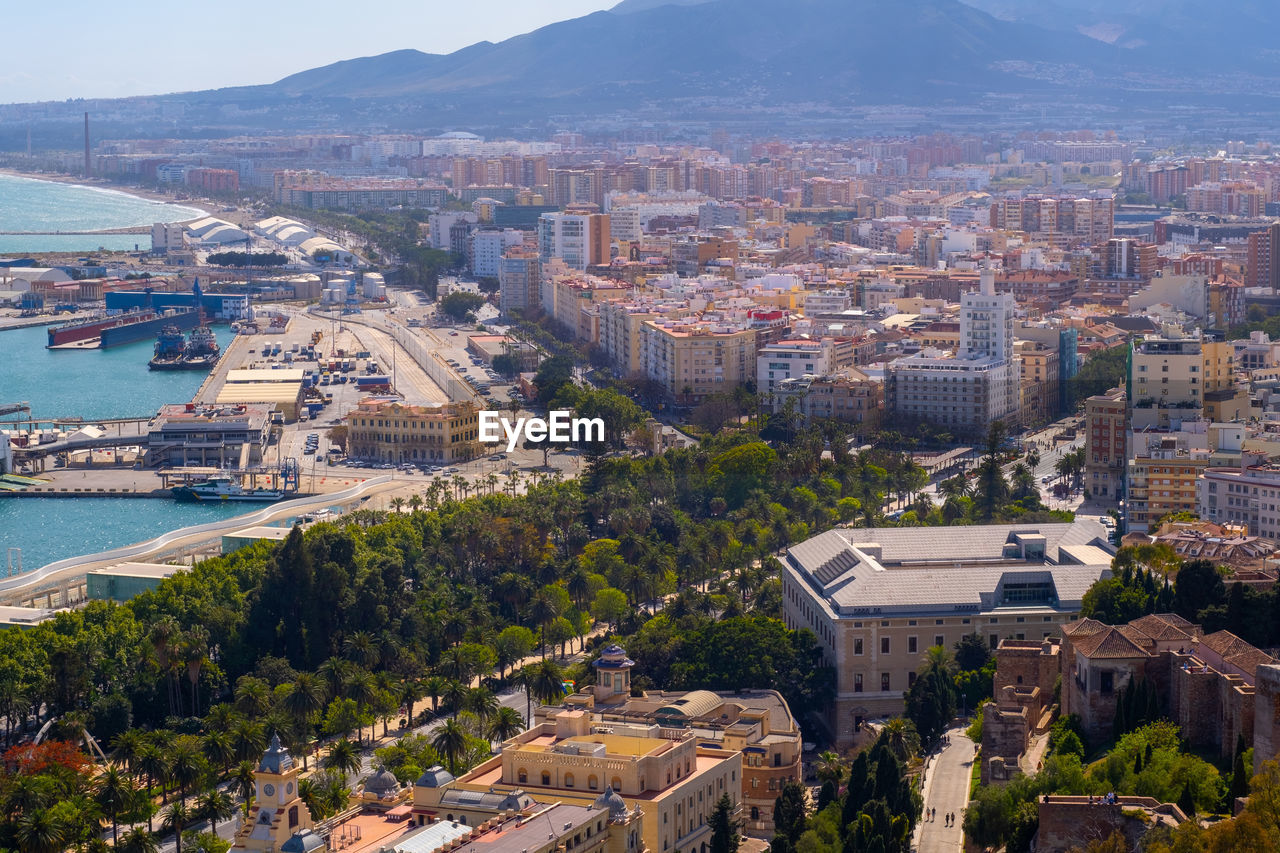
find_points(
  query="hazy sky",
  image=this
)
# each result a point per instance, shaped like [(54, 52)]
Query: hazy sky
[(56, 49)]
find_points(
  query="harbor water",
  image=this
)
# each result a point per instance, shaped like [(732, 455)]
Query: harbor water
[(93, 384), (27, 204), (50, 529)]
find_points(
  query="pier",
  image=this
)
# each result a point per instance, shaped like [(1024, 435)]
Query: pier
[(62, 584)]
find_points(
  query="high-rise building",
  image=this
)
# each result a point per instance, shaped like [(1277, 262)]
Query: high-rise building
[(518, 280), (487, 248), (979, 384), (1262, 266), (1104, 456), (580, 240)]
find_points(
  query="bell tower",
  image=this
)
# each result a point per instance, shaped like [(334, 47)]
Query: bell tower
[(277, 813)]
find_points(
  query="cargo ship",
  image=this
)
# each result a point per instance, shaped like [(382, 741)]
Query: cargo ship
[(118, 329)]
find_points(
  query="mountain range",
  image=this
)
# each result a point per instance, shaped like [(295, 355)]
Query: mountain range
[(705, 60)]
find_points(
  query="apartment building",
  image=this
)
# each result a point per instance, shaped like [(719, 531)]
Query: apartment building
[(1161, 475), (665, 775), (976, 387), (1105, 434), (391, 431), (791, 359), (1166, 380), (692, 358), (622, 325), (579, 239), (1248, 495), (1262, 264), (877, 599), (487, 246), (519, 280), (574, 302), (1256, 352), (1039, 380)]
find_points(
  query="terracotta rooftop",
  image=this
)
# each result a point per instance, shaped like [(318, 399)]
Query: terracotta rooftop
[(1165, 626), (1110, 643)]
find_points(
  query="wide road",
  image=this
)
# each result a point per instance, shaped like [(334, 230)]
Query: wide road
[(947, 790)]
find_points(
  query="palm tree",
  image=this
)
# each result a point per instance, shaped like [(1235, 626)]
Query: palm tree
[(902, 738), (249, 739), (139, 840), (343, 755), (303, 702), (830, 767), (433, 686), (113, 795), (415, 502), (154, 765), (397, 504), (410, 692), (219, 749), (543, 611), (244, 779), (363, 690), (41, 832), (455, 695), (125, 749), (505, 724), (546, 683), (186, 763), (450, 741), (481, 702), (215, 806), (253, 697), (176, 818)]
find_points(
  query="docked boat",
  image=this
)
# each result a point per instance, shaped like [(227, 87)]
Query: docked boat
[(170, 349), (201, 352), (224, 489)]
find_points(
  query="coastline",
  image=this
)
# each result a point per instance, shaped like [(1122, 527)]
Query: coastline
[(207, 207)]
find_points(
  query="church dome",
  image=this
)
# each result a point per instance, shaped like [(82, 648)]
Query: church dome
[(382, 784), (612, 801)]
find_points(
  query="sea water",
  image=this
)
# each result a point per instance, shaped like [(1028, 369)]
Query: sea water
[(27, 204)]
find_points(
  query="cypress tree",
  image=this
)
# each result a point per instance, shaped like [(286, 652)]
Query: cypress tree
[(1186, 801)]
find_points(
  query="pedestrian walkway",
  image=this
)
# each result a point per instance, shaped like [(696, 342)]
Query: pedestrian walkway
[(946, 789)]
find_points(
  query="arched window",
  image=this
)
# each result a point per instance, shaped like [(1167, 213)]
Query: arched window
[(546, 778), (293, 817), (755, 813), (593, 782), (522, 776), (568, 780), (462, 819), (616, 782)]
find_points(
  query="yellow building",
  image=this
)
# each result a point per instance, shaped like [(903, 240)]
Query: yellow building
[(1039, 382), (574, 302), (673, 782), (1163, 468), (692, 359), (1224, 399), (278, 819), (391, 431), (756, 723)]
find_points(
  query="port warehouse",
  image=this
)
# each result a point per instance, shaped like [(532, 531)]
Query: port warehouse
[(280, 387), (217, 306)]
